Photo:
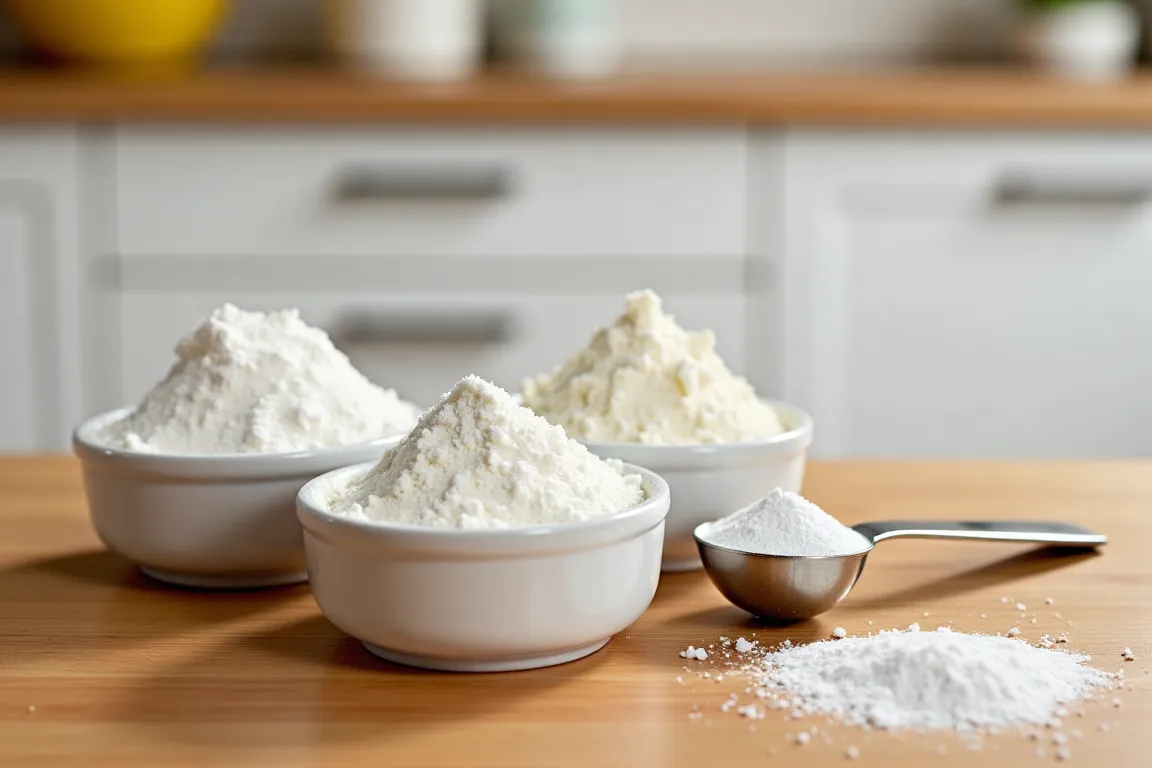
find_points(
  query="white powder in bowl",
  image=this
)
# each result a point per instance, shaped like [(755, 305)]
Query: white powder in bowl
[(254, 382), (785, 523), (479, 460), (645, 379)]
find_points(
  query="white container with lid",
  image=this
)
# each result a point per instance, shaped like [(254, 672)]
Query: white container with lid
[(408, 39), (559, 38)]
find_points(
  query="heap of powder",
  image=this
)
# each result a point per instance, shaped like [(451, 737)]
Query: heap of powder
[(784, 523), (927, 680), (253, 382), (479, 460), (645, 379)]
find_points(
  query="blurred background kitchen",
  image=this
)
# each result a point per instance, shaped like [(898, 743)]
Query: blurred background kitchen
[(926, 221)]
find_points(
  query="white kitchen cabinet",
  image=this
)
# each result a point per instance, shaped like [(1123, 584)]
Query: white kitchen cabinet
[(37, 283), (968, 295), (412, 193), (420, 343)]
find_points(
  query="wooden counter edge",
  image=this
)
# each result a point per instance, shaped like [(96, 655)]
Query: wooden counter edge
[(944, 98)]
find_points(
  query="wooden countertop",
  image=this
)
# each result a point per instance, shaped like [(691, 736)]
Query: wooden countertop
[(122, 671), (937, 97)]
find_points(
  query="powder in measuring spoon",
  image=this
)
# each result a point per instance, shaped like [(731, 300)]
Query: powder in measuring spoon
[(785, 523)]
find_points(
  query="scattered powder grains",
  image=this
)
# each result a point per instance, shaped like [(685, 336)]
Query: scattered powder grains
[(255, 382), (922, 680), (479, 460), (938, 679), (694, 653), (645, 379), (784, 523)]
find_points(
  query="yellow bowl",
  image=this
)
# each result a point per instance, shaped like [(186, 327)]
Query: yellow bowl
[(119, 31)]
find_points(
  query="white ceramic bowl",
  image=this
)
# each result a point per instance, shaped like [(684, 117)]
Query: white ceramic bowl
[(483, 600), (214, 521), (710, 481)]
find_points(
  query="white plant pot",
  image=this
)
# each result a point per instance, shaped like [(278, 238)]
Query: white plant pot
[(1083, 41), (408, 39)]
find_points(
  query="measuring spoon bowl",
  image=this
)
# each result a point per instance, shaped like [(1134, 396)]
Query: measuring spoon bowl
[(792, 587)]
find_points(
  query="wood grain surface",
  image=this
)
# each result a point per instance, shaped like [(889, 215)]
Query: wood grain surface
[(311, 94), (121, 671)]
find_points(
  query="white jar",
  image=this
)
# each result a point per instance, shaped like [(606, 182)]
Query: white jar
[(560, 38), (408, 39), (1089, 40)]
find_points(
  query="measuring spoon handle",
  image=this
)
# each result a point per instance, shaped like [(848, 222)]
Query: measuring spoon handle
[(1025, 531)]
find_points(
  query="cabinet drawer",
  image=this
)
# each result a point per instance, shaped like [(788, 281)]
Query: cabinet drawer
[(419, 345), (236, 192)]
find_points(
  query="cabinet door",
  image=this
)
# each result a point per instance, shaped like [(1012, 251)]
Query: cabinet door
[(971, 295), (418, 344), (37, 204)]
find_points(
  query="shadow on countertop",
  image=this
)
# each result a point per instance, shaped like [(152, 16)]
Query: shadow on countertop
[(239, 695), (94, 601)]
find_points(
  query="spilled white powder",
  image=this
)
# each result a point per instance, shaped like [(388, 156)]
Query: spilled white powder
[(645, 379), (255, 382), (785, 523), (927, 680), (479, 460)]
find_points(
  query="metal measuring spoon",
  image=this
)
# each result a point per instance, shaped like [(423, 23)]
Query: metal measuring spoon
[(797, 587)]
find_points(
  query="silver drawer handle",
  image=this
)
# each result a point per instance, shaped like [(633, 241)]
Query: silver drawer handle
[(383, 183), (1026, 188), (426, 328)]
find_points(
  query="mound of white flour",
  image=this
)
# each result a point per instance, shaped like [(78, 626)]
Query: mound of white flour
[(254, 382), (479, 460), (785, 523), (938, 679), (645, 379)]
